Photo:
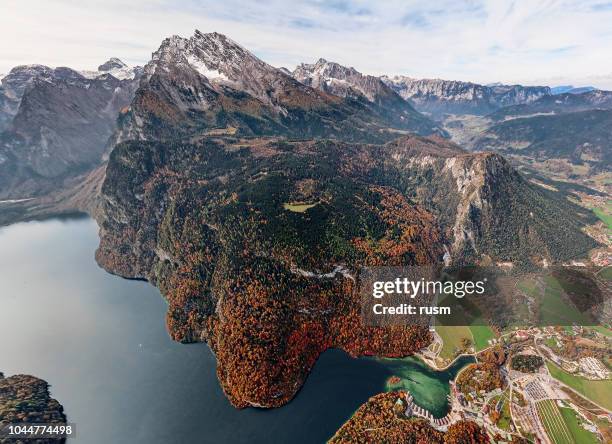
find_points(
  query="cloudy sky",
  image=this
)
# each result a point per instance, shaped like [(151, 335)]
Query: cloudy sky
[(530, 41)]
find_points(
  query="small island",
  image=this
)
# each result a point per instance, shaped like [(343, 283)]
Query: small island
[(25, 399)]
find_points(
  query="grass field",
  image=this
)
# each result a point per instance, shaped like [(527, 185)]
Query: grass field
[(528, 286), (579, 434), (606, 274), (606, 217), (452, 337), (603, 330), (551, 343), (481, 334), (554, 424), (505, 419), (599, 392), (298, 207), (554, 310)]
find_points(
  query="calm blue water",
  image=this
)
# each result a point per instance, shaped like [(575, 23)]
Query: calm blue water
[(100, 341)]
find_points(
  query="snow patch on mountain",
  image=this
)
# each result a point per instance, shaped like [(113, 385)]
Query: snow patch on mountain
[(200, 67), (114, 67)]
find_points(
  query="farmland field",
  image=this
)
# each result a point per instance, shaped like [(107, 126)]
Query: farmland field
[(600, 392), (299, 207), (578, 432), (606, 273), (556, 428), (481, 334), (452, 337), (554, 310), (605, 216), (603, 330)]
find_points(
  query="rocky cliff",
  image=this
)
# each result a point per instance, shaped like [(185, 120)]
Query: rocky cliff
[(60, 129), (438, 97)]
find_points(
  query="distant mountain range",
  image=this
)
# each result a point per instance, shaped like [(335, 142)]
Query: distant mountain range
[(442, 97), (55, 123), (571, 89)]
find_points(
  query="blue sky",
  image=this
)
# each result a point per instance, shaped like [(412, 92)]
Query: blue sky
[(531, 41)]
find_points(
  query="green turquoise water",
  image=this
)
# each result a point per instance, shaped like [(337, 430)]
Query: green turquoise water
[(430, 388)]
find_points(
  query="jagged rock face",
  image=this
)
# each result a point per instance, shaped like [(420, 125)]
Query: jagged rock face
[(25, 400), (210, 83), (487, 209), (13, 86), (256, 243), (440, 97), (62, 127), (349, 83), (507, 95)]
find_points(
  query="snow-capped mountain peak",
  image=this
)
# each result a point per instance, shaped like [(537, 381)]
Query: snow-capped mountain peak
[(212, 55), (115, 67), (339, 80), (219, 62), (112, 64)]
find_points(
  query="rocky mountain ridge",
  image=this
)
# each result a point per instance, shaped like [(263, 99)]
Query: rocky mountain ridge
[(558, 104), (208, 82), (438, 97), (61, 126), (341, 81)]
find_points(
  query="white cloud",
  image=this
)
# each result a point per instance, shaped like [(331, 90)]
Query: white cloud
[(483, 41)]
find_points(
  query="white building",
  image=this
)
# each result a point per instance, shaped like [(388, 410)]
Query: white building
[(593, 367)]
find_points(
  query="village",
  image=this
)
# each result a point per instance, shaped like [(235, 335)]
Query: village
[(547, 385)]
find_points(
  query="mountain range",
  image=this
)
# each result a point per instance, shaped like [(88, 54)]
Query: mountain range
[(252, 196), (438, 98)]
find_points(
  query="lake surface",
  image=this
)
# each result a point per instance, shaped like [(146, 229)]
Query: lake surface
[(429, 388), (100, 341)]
